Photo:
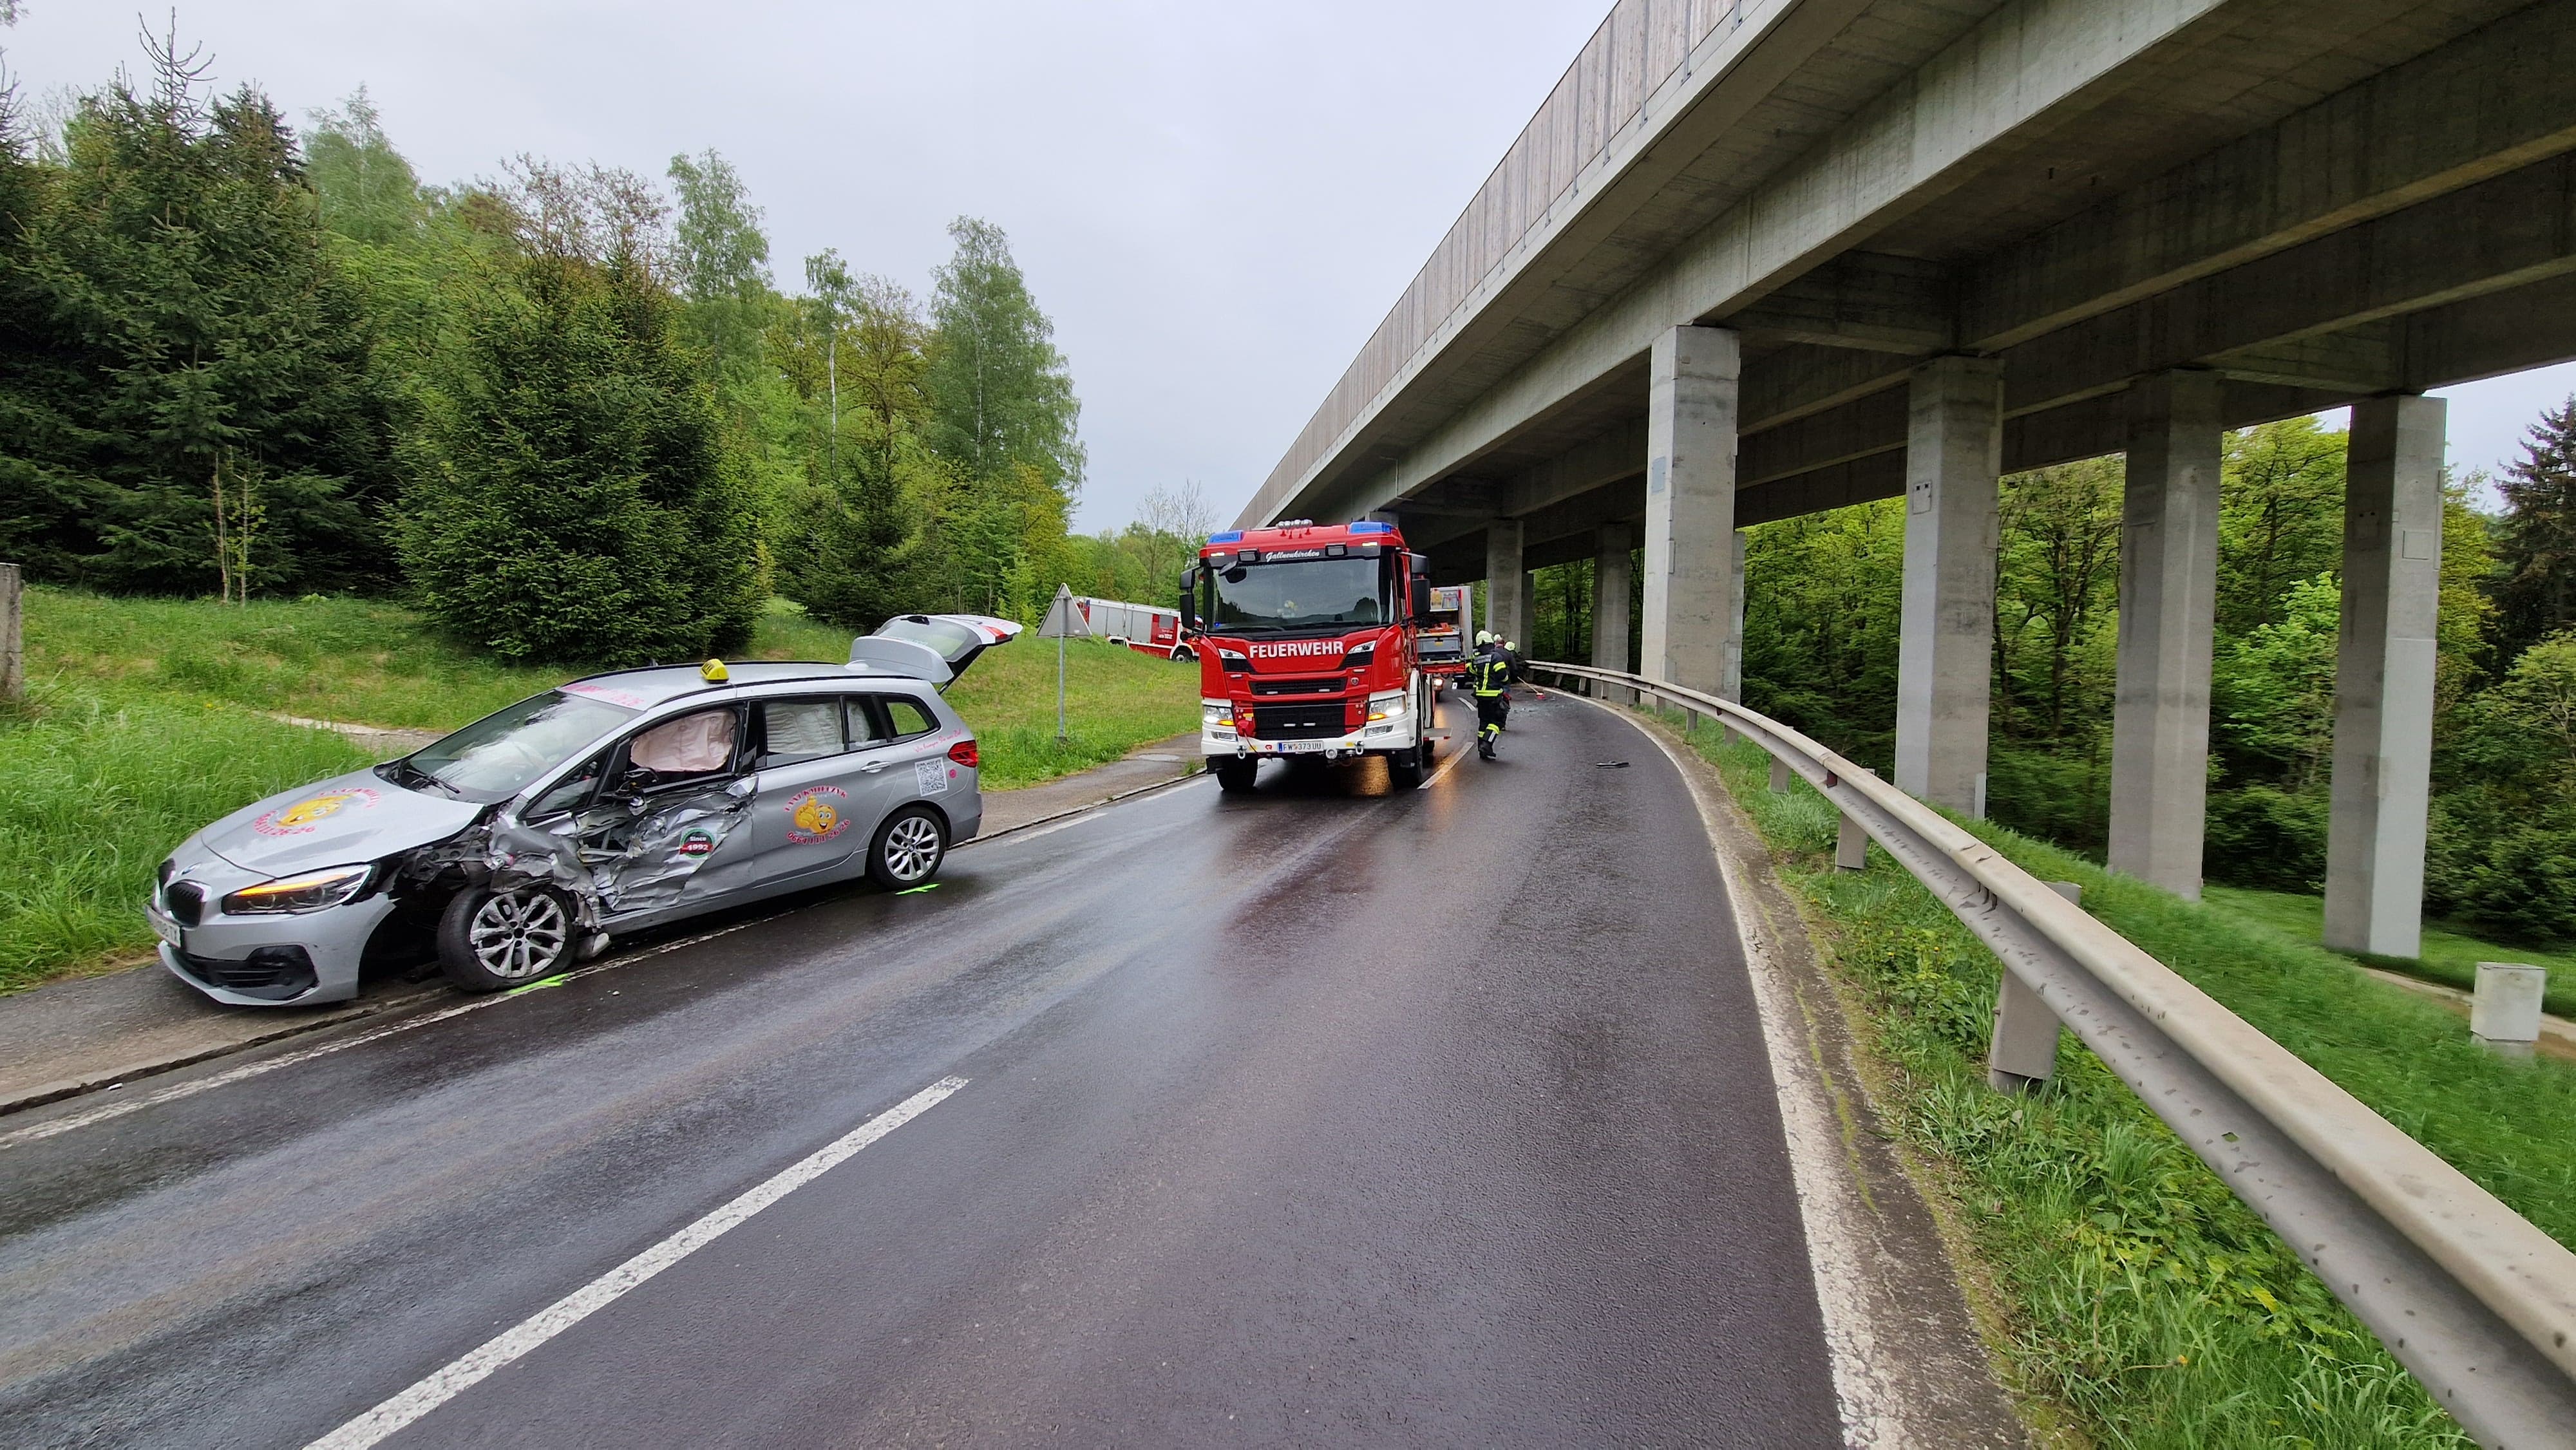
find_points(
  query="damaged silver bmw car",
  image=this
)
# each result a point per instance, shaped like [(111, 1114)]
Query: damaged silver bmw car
[(518, 845)]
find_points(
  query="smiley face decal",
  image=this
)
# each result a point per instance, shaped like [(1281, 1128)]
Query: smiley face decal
[(815, 815)]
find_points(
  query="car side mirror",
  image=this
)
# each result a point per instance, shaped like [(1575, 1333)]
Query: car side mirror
[(1190, 598), (741, 788), (1420, 599)]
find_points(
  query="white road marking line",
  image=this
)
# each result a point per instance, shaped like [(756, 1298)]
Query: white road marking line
[(509, 1345), (1446, 766), (230, 1076)]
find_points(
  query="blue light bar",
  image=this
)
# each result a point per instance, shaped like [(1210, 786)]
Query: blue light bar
[(1230, 536), (1370, 526)]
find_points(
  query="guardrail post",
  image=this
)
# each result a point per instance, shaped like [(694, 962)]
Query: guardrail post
[(1779, 776), (1851, 843), (2023, 1053), (2504, 1016)]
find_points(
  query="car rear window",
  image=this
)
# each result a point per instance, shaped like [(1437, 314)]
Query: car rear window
[(908, 716), (946, 636)]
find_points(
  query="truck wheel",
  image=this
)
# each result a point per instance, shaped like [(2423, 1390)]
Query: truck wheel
[(1183, 657), (908, 848), (1234, 773), (1405, 768), (489, 939)]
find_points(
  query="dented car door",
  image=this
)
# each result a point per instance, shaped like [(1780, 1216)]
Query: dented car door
[(668, 827)]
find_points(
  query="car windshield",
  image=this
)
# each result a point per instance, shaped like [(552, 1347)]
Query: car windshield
[(495, 757), (1298, 594)]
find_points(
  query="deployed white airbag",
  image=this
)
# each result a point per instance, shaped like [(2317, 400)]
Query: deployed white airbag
[(692, 743)]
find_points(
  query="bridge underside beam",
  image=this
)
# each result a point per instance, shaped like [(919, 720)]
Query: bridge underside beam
[(2311, 213), (1850, 455)]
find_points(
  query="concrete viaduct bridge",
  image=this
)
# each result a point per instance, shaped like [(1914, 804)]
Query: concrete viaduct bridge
[(1759, 258)]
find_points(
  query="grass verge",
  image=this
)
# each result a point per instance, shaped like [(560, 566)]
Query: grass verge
[(147, 718), (2143, 1297), (2449, 957)]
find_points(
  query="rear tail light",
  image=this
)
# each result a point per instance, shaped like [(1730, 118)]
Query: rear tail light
[(963, 752)]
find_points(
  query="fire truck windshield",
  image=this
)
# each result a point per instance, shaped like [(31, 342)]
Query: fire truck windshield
[(1298, 594)]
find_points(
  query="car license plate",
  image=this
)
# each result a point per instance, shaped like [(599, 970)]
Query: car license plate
[(166, 929), (1306, 747)]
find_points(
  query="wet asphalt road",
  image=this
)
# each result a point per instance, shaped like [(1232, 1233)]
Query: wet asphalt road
[(1327, 1116)]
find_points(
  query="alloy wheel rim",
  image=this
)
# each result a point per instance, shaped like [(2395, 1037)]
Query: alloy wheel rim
[(518, 935), (911, 848)]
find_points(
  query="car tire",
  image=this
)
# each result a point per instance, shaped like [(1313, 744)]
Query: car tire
[(490, 940), (907, 848), (1184, 657), (1404, 769), (1234, 773)]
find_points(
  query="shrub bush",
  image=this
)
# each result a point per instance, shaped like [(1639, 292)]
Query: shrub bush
[(2261, 835)]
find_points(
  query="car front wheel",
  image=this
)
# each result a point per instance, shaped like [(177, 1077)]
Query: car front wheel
[(908, 848), (492, 939)]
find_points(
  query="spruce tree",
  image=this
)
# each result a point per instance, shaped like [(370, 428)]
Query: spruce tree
[(572, 498), (2535, 543), (173, 318)]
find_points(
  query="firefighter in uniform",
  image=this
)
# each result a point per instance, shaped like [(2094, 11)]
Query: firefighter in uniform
[(1488, 672)]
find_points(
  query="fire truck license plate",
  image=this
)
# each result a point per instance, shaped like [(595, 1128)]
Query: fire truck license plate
[(1304, 747)]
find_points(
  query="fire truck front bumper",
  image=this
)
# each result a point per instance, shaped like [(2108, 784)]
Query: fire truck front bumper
[(1368, 739), (1392, 725)]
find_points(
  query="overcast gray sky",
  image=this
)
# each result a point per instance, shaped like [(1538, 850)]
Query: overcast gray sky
[(1216, 203)]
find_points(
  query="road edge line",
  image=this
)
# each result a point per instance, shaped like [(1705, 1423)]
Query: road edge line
[(1110, 800), (458, 1375)]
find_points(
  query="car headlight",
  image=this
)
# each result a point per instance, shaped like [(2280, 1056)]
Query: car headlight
[(311, 891), (1387, 706), (1216, 715)]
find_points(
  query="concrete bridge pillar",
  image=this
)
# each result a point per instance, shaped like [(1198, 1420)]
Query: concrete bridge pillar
[(1503, 575), (1612, 568), (1690, 506), (1525, 619), (1732, 687), (1945, 657), (2384, 656), (2168, 602)]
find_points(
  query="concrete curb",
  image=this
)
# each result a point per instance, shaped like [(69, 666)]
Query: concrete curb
[(1107, 800), (54, 1092)]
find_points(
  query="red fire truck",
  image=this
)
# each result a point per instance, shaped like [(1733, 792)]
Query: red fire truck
[(1305, 635)]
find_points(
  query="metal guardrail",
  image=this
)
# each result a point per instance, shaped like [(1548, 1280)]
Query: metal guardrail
[(2472, 1298)]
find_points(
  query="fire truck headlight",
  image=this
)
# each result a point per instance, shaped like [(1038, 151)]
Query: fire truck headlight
[(1216, 715), (1388, 706)]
